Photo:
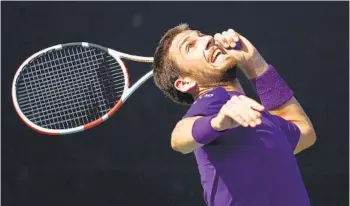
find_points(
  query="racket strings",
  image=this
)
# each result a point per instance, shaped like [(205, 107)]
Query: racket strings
[(45, 90), (68, 52), (69, 87)]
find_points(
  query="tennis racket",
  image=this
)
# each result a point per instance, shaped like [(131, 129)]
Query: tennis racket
[(72, 87)]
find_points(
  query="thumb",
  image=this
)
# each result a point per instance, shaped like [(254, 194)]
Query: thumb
[(245, 43), (237, 50), (243, 46)]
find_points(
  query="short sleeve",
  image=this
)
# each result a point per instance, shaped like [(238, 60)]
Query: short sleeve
[(291, 130), (209, 103)]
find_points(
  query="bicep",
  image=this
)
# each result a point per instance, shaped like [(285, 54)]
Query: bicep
[(181, 136), (184, 126), (296, 116), (291, 130), (291, 111)]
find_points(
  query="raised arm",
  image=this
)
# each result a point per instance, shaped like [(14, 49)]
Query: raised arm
[(279, 99), (273, 92)]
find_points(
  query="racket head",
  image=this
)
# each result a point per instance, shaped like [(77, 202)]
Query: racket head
[(57, 83)]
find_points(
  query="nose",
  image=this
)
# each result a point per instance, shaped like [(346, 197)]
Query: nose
[(207, 41)]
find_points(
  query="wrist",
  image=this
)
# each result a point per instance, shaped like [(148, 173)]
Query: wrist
[(203, 132), (215, 124), (255, 67), (272, 90)]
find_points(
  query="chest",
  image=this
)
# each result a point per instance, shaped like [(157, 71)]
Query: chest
[(267, 134), (258, 145)]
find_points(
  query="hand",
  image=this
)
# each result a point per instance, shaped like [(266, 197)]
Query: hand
[(248, 58), (239, 110)]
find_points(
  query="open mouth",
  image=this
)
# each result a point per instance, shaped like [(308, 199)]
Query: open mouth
[(216, 51), (215, 55)]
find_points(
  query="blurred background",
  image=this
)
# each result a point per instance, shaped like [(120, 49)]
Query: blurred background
[(128, 161)]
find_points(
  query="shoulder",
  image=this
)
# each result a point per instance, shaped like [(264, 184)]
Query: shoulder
[(209, 103)]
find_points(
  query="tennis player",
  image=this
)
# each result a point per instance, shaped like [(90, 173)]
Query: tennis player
[(244, 150)]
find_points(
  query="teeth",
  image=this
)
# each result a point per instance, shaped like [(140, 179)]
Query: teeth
[(216, 54)]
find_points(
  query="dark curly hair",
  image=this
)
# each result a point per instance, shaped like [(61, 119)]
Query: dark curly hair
[(165, 69)]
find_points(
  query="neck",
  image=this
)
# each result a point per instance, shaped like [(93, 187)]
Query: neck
[(230, 86)]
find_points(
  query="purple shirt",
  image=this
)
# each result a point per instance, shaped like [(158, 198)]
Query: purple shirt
[(249, 166)]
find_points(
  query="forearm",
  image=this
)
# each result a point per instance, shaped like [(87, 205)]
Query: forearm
[(272, 90), (192, 133), (265, 80), (258, 68)]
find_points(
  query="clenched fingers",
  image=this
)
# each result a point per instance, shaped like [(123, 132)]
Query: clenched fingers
[(227, 38), (220, 38)]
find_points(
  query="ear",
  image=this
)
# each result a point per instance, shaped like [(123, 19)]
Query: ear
[(185, 85)]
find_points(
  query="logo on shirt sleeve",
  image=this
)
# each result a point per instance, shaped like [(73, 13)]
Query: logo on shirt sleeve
[(205, 95), (208, 95)]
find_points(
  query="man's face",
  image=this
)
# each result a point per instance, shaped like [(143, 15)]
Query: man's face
[(201, 56)]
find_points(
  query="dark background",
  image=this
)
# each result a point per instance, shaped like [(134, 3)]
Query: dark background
[(128, 161)]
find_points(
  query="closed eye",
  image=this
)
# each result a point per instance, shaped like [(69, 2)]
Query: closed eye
[(190, 45)]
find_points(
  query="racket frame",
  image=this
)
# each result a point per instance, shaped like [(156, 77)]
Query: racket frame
[(126, 93)]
